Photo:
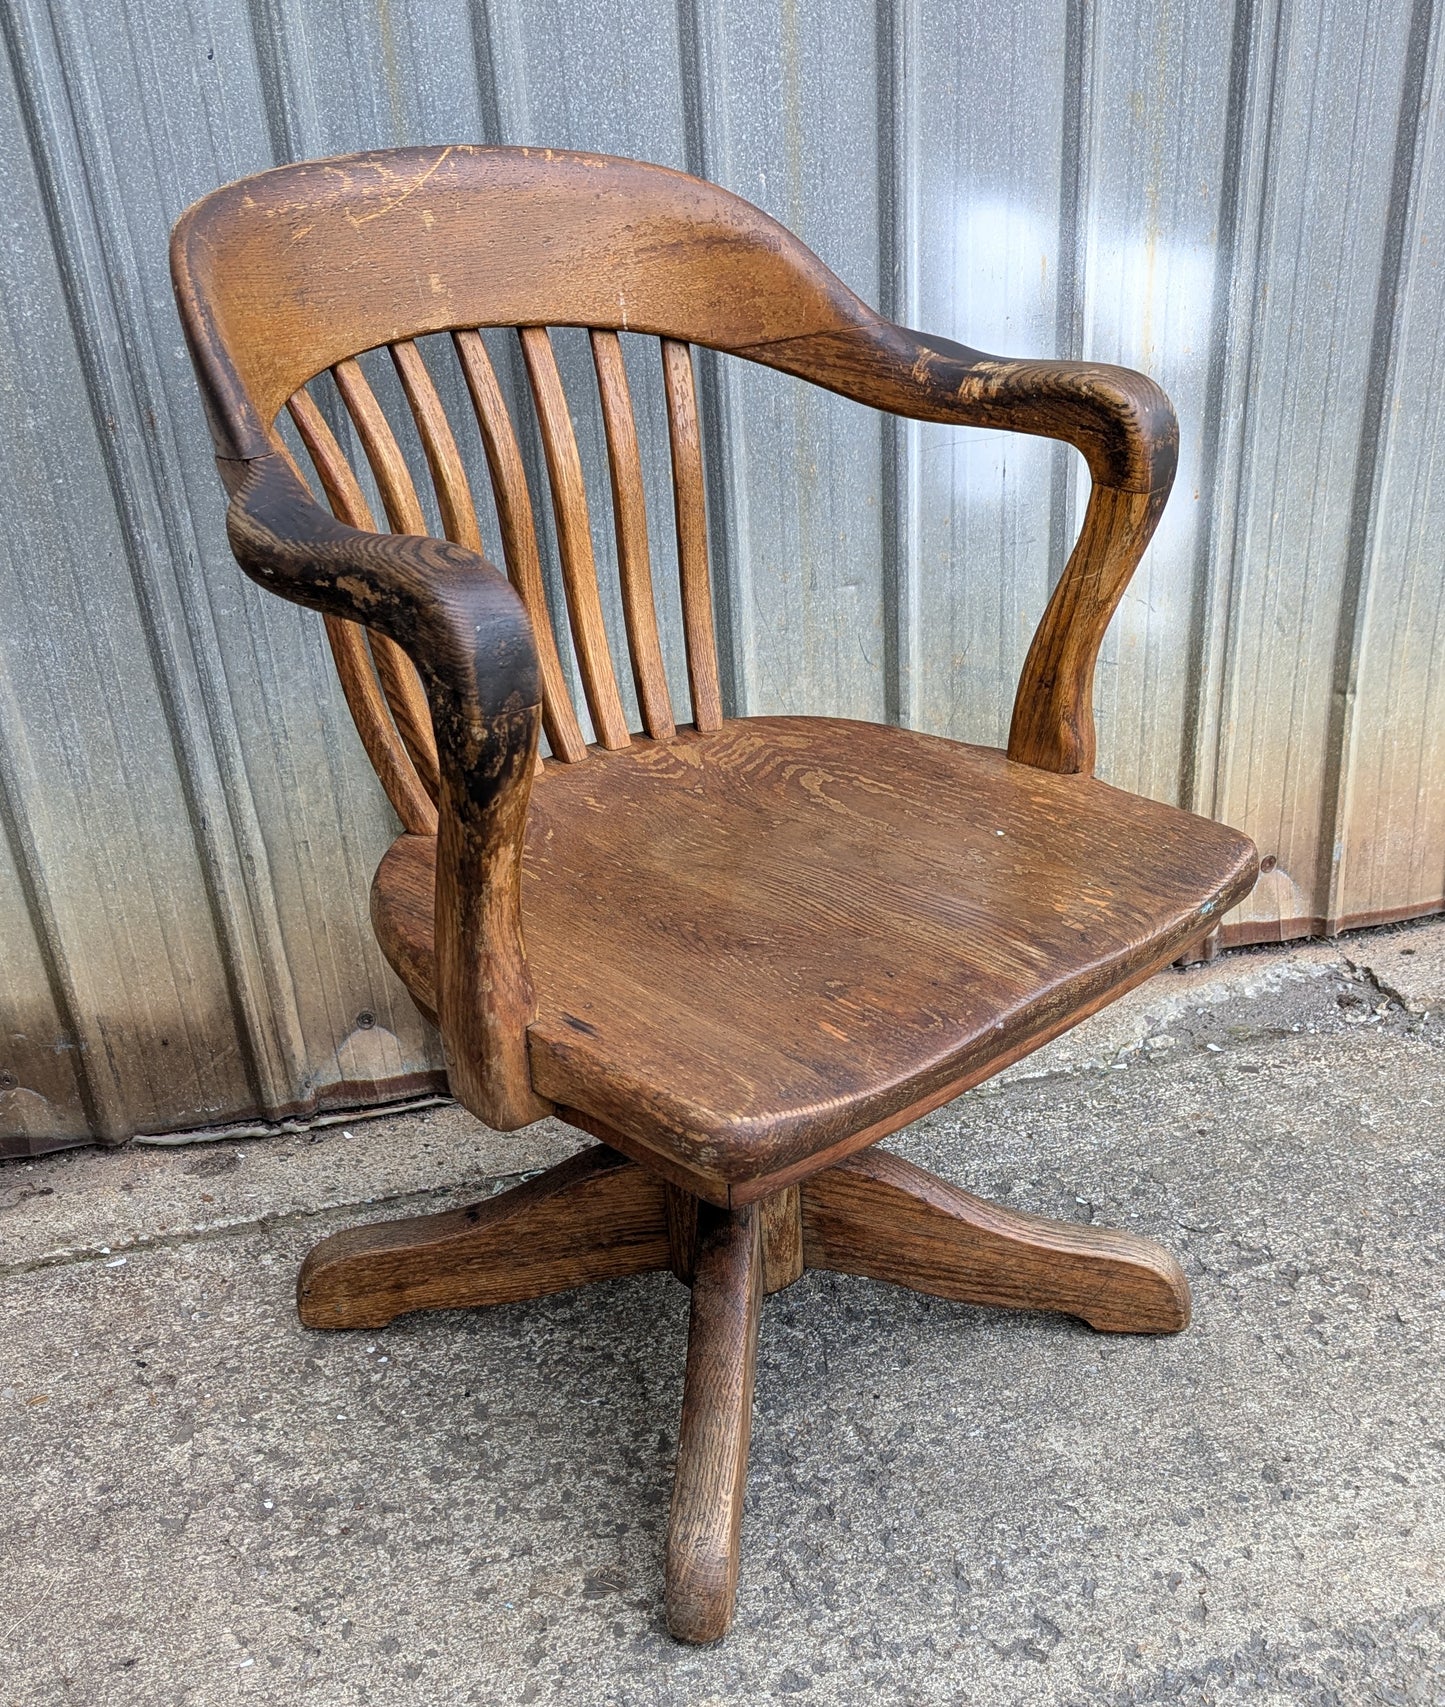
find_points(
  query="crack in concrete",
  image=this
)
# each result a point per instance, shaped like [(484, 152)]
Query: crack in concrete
[(471, 1190)]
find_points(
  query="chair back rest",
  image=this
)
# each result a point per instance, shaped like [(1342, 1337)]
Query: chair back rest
[(295, 273)]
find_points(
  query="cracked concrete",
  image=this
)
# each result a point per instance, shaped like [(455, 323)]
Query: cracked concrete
[(204, 1503)]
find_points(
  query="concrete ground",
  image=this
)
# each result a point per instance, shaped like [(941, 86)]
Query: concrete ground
[(203, 1503)]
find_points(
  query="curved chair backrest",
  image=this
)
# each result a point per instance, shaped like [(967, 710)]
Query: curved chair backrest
[(297, 271)]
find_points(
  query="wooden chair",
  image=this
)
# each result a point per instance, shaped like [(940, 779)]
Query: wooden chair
[(735, 952)]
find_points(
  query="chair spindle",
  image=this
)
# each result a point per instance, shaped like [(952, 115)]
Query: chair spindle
[(449, 477), (574, 538), (519, 539), (691, 512), (629, 510)]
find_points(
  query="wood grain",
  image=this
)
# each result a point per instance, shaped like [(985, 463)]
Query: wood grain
[(681, 1207), (882, 916), (781, 1230), (449, 476), (717, 1412), (283, 273), (596, 1216), (1053, 719), (629, 511), (690, 514), (876, 1214), (574, 538)]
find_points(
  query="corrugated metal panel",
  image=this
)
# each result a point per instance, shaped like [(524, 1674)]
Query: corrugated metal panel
[(1246, 200)]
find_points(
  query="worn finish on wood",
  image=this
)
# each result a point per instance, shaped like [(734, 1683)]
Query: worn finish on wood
[(596, 1216), (462, 623), (878, 1215), (717, 1415), (881, 916), (301, 267), (752, 948)]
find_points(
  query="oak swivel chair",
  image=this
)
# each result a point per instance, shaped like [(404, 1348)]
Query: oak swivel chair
[(736, 952)]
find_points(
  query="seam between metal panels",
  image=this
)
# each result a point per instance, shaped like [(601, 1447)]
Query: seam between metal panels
[(1355, 592), (484, 57), (725, 494), (1199, 733), (899, 34), (234, 867), (100, 1101), (288, 87), (1245, 300), (1068, 308)]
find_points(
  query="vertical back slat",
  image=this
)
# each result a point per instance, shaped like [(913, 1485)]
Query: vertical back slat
[(574, 538), (519, 539), (691, 512), (369, 710), (449, 477), (629, 510), (404, 692)]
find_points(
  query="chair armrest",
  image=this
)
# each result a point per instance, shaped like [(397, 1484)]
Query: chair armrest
[(470, 638), (1120, 421)]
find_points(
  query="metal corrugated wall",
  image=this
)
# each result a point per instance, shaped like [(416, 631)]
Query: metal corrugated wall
[(1246, 200)]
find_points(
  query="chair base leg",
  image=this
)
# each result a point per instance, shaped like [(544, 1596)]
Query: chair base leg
[(599, 1216), (596, 1216), (880, 1216), (717, 1412)]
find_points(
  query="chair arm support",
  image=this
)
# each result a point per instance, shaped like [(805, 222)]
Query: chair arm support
[(1119, 420), (470, 638)]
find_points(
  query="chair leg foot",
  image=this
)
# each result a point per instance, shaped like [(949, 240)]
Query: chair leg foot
[(596, 1216), (877, 1215), (717, 1406)]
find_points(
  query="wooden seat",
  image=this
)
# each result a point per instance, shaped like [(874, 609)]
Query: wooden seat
[(878, 915), (737, 952)]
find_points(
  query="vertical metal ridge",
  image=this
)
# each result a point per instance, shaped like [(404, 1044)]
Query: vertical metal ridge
[(1254, 79), (704, 147), (1210, 602), (1068, 313), (101, 1100), (145, 483), (1354, 604), (484, 60), (288, 85), (899, 27)]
